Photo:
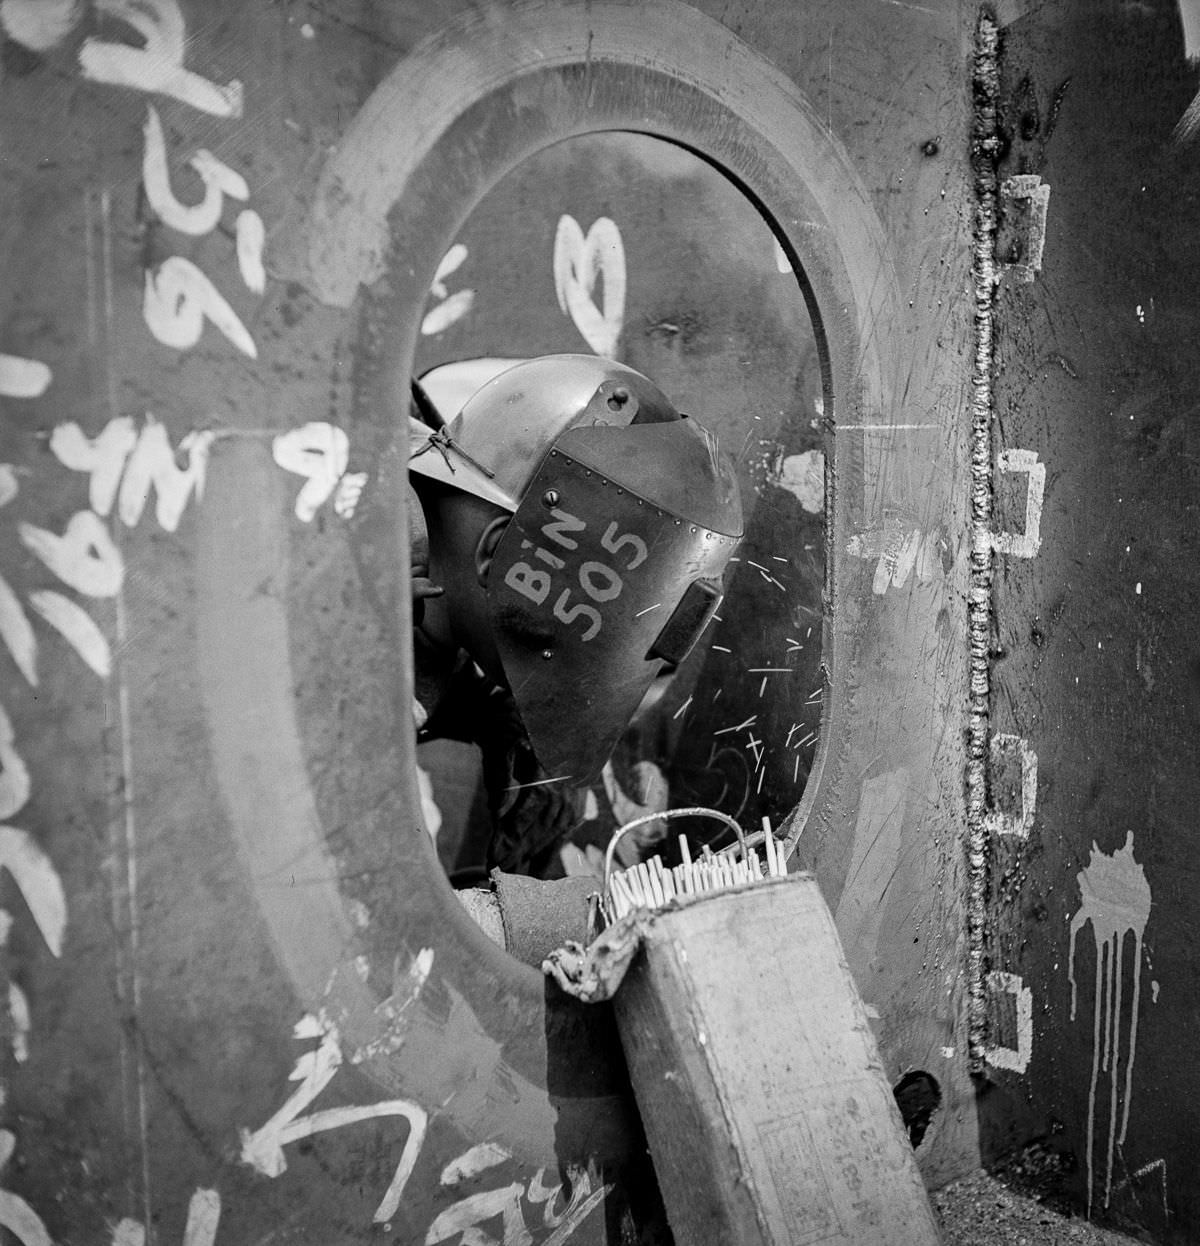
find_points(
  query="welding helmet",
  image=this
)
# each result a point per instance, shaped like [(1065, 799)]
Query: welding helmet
[(624, 514)]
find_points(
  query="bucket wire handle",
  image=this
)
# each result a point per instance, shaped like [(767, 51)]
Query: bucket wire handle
[(692, 811)]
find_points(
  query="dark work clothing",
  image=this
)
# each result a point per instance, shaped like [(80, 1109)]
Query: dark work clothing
[(530, 818)]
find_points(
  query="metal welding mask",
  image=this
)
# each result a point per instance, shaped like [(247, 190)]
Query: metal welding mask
[(624, 516)]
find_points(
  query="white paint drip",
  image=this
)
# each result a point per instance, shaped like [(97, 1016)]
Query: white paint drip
[(84, 557), (203, 1219), (1016, 1060), (579, 262), (18, 1017), (452, 261), (319, 452), (997, 821), (347, 494), (76, 627), (1116, 900), (449, 312), (16, 1215), (204, 1215), (218, 178), (157, 67), (391, 1013), (803, 476), (470, 1164), (9, 485), (251, 236), (152, 466), (469, 1213), (38, 882), (137, 463), (900, 552), (102, 457), (454, 306), (177, 299), (22, 1221), (23, 378), (14, 774), (127, 1232), (17, 633), (39, 25), (1024, 544), (314, 1070)]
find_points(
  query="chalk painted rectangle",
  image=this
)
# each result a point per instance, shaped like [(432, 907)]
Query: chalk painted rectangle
[(1010, 1015), (1025, 205), (1012, 786), (1024, 544)]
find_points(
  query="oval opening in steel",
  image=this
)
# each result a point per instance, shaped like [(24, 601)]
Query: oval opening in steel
[(626, 246)]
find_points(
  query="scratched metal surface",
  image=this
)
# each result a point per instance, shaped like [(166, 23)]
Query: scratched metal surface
[(1095, 674), (243, 1005)]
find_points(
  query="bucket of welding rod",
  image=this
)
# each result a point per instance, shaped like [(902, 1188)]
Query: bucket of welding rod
[(765, 1104), (650, 884)]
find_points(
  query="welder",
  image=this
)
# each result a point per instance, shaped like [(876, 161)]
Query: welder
[(569, 544)]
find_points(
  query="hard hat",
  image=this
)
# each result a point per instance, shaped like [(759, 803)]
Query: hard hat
[(494, 444), (624, 516)]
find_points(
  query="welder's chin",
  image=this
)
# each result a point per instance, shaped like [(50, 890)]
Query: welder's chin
[(473, 632)]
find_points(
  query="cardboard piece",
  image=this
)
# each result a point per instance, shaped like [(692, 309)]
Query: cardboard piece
[(768, 1113)]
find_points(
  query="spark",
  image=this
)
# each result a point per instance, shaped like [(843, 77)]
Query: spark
[(722, 649), (762, 687), (647, 610), (740, 726), (682, 708), (768, 670), (515, 787)]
